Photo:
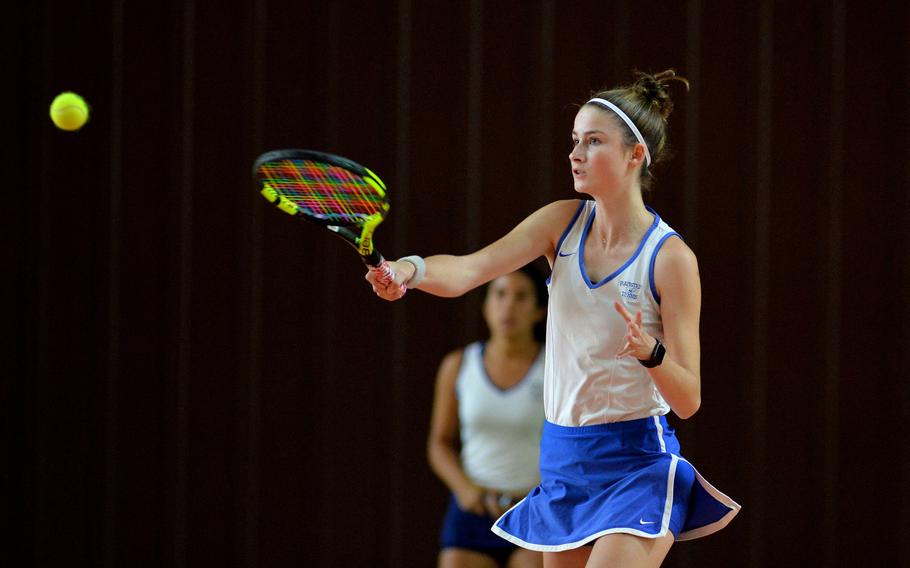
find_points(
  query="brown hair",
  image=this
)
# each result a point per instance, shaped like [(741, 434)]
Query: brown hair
[(647, 103)]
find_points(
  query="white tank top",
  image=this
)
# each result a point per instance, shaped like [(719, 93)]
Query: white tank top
[(584, 381), (500, 429)]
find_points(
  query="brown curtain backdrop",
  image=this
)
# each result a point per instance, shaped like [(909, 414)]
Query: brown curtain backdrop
[(194, 379)]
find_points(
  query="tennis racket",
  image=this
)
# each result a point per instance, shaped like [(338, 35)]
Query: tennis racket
[(337, 193)]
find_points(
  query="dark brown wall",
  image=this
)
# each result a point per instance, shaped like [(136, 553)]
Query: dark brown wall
[(196, 380)]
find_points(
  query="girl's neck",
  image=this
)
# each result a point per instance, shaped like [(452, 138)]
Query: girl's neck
[(523, 346), (621, 218)]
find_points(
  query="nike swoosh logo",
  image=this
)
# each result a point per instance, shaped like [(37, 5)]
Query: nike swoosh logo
[(644, 522), (566, 253)]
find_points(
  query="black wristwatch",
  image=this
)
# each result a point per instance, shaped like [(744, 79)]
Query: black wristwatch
[(657, 355)]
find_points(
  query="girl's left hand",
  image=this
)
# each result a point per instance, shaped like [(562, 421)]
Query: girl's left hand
[(638, 343), (496, 503)]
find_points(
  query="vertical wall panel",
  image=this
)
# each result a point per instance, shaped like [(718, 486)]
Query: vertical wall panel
[(834, 289), (142, 444), (872, 184), (182, 287), (249, 220), (758, 390), (547, 128), (903, 552), (691, 159), (796, 238), (112, 343), (22, 48)]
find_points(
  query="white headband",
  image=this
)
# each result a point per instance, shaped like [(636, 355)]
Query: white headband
[(628, 121)]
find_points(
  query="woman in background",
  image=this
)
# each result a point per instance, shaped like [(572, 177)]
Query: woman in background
[(489, 401)]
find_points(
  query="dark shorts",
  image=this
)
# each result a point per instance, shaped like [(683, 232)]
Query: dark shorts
[(461, 529)]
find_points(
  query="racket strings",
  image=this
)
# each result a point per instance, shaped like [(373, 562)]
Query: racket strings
[(323, 190)]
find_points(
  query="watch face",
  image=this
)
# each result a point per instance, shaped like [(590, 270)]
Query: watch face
[(659, 352), (657, 356)]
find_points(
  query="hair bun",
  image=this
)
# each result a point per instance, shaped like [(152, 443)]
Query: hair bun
[(653, 89), (647, 104)]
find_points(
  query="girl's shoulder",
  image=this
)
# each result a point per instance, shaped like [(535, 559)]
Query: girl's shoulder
[(675, 251), (559, 214), (566, 208), (676, 270)]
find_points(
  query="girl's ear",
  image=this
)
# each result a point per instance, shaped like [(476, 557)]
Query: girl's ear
[(638, 154)]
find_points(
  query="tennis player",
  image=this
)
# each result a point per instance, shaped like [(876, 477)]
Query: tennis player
[(622, 347)]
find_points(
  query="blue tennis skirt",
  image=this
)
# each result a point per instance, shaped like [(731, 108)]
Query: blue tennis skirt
[(620, 477)]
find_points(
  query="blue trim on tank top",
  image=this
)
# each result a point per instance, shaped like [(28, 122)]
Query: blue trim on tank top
[(564, 234), (570, 225), (618, 271), (660, 243)]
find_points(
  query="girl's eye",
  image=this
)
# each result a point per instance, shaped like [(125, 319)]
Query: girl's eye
[(594, 141), (575, 142)]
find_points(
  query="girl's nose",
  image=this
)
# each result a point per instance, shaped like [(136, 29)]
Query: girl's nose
[(575, 154)]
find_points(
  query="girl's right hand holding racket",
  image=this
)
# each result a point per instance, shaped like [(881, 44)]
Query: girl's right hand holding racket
[(394, 290)]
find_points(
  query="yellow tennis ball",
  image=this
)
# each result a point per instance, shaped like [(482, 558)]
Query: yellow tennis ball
[(69, 111)]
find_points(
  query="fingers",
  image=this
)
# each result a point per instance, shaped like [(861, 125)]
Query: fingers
[(496, 504), (627, 348), (476, 508), (623, 311), (626, 315), (639, 347), (471, 501), (385, 286), (489, 502), (391, 292), (383, 273), (638, 344)]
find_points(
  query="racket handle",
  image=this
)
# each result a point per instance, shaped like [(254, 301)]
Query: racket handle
[(384, 274)]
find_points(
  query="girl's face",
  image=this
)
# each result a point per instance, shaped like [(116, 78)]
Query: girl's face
[(510, 308), (600, 159)]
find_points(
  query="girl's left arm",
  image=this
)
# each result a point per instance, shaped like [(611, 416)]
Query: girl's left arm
[(679, 376)]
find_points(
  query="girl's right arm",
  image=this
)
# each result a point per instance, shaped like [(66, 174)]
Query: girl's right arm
[(443, 438), (449, 275)]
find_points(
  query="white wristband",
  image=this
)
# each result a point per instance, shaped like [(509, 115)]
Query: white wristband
[(420, 269)]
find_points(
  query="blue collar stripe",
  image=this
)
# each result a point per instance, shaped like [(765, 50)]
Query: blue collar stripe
[(584, 239)]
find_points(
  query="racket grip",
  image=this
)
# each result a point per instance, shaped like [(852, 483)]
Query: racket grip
[(385, 275)]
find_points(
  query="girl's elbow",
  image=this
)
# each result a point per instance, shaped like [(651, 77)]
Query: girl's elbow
[(434, 458), (433, 448), (689, 409)]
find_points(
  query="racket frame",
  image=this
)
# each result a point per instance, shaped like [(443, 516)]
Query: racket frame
[(359, 235)]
